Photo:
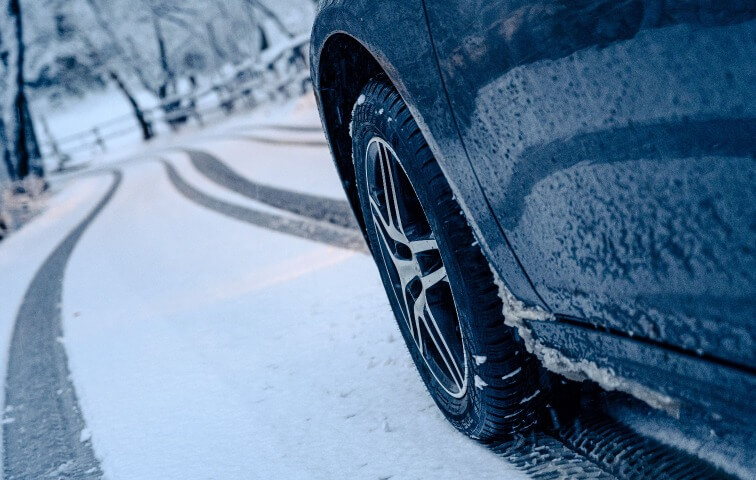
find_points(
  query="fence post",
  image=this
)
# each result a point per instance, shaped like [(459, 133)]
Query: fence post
[(62, 159), (98, 139)]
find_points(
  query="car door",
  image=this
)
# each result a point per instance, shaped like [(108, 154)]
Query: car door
[(614, 141)]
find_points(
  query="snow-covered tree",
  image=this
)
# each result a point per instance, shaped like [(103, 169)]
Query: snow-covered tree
[(166, 48)]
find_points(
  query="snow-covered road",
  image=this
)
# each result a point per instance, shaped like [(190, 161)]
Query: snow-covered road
[(202, 345)]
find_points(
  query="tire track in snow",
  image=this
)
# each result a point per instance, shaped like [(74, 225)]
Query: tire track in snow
[(629, 455), (594, 446), (241, 129), (330, 210), (269, 140), (314, 230), (285, 127), (543, 457), (44, 434)]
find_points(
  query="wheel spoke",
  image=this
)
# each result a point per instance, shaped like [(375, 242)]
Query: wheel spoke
[(390, 186), (420, 246), (439, 340), (436, 276), (405, 267), (418, 319), (386, 224), (405, 270)]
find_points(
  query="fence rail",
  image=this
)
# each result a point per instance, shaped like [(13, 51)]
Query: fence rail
[(281, 72)]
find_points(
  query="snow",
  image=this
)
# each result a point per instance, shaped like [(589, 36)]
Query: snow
[(531, 397), (261, 351), (729, 455), (281, 48)]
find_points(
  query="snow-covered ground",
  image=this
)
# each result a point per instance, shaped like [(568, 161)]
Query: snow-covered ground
[(203, 347)]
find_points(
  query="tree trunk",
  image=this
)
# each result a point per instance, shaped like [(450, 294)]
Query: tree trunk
[(9, 168), (169, 79), (272, 15), (144, 124), (264, 43), (25, 140), (220, 54)]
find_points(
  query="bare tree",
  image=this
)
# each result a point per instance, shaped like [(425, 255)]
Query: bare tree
[(7, 161), (10, 169), (144, 125), (22, 140)]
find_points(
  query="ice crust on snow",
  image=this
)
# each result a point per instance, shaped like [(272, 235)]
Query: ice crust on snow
[(516, 313)]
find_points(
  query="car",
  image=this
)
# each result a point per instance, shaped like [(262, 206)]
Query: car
[(551, 186)]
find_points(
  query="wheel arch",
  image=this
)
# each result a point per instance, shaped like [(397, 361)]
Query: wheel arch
[(345, 53), (345, 66)]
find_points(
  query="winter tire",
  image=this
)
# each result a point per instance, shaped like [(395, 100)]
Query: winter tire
[(439, 284)]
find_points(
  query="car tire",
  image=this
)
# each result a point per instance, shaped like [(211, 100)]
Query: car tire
[(475, 368)]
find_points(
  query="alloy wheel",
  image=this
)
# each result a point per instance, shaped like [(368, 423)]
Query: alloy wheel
[(413, 261)]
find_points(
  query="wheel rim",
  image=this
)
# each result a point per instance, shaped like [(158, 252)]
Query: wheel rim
[(416, 270)]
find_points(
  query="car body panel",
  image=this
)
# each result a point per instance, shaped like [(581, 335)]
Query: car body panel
[(659, 308), (615, 142)]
